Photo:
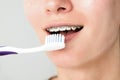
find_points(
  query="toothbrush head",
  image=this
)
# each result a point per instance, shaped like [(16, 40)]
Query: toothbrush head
[(54, 42)]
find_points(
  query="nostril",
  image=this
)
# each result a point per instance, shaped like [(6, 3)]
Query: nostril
[(60, 9), (57, 10)]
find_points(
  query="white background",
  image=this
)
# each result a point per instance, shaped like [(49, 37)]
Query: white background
[(16, 31)]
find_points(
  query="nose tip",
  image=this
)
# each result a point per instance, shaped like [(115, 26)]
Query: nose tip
[(58, 6)]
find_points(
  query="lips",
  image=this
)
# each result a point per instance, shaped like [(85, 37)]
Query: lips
[(69, 31)]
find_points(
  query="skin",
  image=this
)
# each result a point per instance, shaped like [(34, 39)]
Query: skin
[(91, 54)]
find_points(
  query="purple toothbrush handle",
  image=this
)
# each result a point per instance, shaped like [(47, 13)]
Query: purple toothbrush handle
[(3, 53)]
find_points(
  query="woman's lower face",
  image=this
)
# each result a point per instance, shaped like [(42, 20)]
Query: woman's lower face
[(98, 18)]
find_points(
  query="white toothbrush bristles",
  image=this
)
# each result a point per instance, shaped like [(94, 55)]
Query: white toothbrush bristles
[(54, 42), (55, 38)]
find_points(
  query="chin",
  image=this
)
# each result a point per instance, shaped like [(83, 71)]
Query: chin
[(74, 58), (69, 58)]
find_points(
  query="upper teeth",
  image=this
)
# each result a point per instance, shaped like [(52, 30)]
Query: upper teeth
[(63, 28)]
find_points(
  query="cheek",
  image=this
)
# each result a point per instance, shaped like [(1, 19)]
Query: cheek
[(100, 15), (94, 8), (99, 27), (35, 17), (41, 36)]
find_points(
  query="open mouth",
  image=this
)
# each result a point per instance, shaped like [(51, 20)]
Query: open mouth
[(64, 29), (67, 31)]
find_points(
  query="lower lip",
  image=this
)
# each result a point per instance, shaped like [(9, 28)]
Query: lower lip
[(70, 36)]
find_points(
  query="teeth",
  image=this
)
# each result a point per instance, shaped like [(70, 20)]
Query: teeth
[(63, 28), (68, 28), (73, 28)]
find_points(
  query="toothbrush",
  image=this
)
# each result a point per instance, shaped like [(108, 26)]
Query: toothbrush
[(52, 42)]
